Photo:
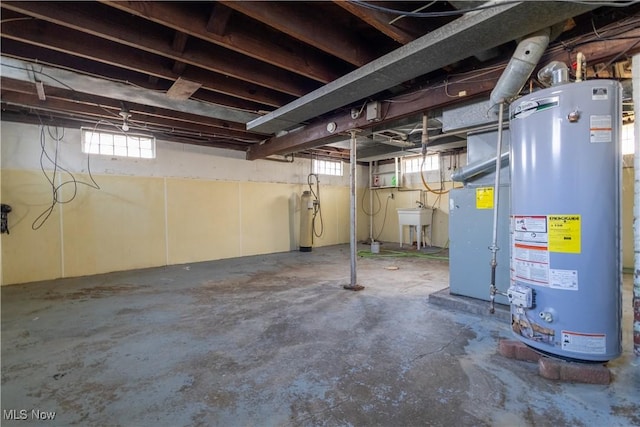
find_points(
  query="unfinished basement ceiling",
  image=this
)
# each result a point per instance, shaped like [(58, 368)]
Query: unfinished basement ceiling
[(198, 72)]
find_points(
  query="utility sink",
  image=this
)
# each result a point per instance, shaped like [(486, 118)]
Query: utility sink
[(415, 217)]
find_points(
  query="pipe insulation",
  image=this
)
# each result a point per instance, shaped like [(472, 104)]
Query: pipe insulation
[(635, 70), (520, 67)]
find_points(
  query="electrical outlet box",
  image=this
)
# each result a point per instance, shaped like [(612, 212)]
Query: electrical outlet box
[(374, 111)]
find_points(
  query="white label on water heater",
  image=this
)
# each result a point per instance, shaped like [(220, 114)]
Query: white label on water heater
[(530, 253), (584, 343), (600, 128), (563, 279)]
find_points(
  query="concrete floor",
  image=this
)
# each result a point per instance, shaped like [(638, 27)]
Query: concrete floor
[(275, 340)]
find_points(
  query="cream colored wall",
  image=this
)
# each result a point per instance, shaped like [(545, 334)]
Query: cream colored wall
[(29, 255), (208, 204), (627, 217), (203, 220), (118, 227)]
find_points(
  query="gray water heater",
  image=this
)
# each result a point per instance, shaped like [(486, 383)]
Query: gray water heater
[(564, 292)]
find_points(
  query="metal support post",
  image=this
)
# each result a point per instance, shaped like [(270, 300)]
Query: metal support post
[(353, 286)]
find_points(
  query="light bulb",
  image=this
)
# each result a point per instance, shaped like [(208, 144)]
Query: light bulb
[(125, 126)]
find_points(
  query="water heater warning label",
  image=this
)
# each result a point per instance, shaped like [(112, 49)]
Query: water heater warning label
[(484, 198), (600, 129), (564, 233), (584, 343)]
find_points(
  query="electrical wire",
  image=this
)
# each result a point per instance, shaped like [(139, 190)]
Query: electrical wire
[(56, 197), (317, 208), (477, 8), (428, 14), (414, 11)]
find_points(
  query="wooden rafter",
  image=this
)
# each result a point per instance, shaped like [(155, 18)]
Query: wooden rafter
[(299, 24), (97, 49), (85, 19), (295, 58), (378, 20)]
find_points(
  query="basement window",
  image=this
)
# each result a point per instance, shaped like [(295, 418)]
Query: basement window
[(327, 167), (414, 164), (118, 144)]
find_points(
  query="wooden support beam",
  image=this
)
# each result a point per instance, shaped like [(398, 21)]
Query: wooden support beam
[(51, 36), (377, 20), (101, 112), (294, 58), (17, 49), (130, 31), (218, 20), (157, 113), (298, 23), (178, 45)]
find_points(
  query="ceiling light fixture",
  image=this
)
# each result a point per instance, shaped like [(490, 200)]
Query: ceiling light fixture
[(125, 120)]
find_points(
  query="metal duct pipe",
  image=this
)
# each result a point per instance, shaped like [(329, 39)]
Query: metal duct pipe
[(520, 67), (464, 173)]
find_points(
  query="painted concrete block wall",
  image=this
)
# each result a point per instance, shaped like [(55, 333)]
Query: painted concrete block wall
[(189, 204), (29, 255), (203, 220), (119, 227)]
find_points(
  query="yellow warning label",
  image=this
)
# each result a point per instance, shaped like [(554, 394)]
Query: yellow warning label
[(484, 198), (564, 233)]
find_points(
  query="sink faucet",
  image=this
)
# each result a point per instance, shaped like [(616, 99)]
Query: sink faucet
[(420, 204)]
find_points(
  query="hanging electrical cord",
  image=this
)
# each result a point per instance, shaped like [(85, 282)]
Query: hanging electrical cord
[(56, 197), (317, 209)]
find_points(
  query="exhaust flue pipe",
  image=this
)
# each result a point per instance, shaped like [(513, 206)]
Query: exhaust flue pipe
[(511, 82), (520, 67)]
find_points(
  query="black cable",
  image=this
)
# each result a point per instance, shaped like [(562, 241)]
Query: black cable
[(55, 189), (317, 208)]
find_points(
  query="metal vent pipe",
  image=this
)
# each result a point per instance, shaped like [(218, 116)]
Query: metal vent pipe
[(520, 67)]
